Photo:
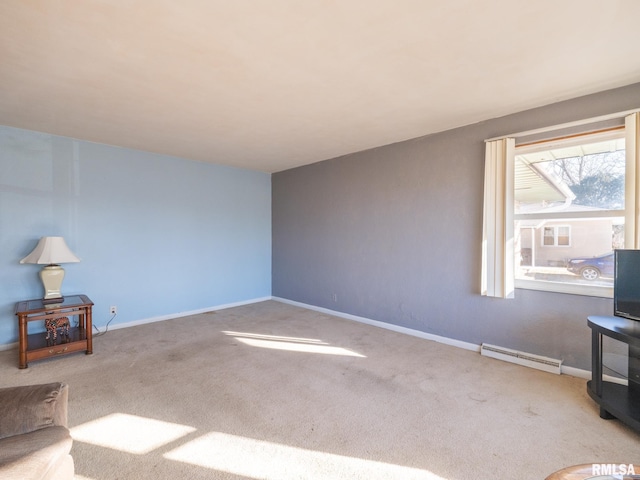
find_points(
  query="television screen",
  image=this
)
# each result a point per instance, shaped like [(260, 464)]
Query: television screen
[(626, 286)]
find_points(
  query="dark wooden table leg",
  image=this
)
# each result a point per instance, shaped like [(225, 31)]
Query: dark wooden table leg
[(89, 331), (22, 343)]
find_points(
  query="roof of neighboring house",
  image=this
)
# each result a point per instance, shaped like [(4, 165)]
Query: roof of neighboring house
[(533, 185), (536, 185)]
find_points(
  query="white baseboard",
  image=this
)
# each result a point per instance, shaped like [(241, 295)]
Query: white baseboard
[(388, 326), (8, 346), (186, 314), (117, 326), (571, 371), (575, 372), (565, 370)]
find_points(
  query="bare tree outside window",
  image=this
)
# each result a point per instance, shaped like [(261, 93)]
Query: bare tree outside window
[(596, 180)]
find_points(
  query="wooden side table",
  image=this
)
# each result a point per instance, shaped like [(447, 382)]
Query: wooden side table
[(34, 346)]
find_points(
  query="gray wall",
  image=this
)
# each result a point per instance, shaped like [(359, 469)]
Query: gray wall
[(393, 234)]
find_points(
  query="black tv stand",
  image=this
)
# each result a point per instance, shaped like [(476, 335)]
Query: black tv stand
[(616, 400)]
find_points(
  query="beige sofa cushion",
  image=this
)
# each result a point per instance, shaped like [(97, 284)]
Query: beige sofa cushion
[(41, 454), (29, 408), (34, 440)]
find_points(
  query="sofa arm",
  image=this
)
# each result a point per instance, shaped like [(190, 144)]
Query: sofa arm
[(28, 408)]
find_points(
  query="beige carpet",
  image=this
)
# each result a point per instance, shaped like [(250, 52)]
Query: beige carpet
[(272, 391)]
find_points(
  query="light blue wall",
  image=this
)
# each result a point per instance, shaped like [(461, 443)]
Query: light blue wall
[(157, 235)]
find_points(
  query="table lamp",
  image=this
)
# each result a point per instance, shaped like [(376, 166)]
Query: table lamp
[(51, 251)]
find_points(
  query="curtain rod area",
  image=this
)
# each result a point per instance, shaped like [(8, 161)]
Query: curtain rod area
[(575, 135), (577, 123)]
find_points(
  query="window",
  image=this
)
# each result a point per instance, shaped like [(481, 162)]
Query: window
[(556, 236), (568, 207), (558, 204)]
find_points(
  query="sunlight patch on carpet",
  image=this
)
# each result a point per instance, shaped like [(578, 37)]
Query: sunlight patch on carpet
[(129, 433), (272, 461), (291, 344), (261, 336)]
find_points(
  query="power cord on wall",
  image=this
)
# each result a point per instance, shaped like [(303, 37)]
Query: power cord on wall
[(106, 327)]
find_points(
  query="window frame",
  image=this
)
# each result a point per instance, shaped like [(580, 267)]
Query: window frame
[(498, 269), (555, 236), (569, 287)]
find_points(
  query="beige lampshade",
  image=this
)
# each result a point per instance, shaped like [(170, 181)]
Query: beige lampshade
[(51, 251)]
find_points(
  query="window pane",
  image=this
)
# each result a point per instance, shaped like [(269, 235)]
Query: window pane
[(588, 176), (575, 257), (549, 237), (563, 236), (569, 202)]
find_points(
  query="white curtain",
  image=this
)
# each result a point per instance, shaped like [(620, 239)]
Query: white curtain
[(632, 181), (497, 226)]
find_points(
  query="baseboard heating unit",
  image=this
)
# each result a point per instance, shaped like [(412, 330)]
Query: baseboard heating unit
[(546, 364)]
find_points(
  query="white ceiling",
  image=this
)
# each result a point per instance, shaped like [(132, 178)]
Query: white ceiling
[(273, 84)]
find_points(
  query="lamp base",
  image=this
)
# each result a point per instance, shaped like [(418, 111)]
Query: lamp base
[(52, 276), (52, 301)]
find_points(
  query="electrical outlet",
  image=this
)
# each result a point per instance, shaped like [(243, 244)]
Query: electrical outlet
[(113, 310)]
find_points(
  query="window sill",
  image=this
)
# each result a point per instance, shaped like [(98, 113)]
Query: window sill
[(560, 287)]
